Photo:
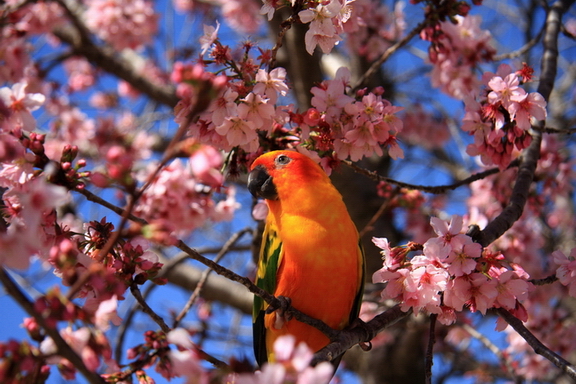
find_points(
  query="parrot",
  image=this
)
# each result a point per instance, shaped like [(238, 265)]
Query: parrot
[(310, 253)]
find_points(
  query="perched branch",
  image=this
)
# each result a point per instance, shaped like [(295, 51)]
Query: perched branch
[(536, 344), (347, 338), (63, 349)]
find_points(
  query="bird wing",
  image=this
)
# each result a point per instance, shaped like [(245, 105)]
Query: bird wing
[(268, 264)]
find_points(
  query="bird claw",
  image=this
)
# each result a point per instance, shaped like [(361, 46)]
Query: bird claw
[(281, 308)]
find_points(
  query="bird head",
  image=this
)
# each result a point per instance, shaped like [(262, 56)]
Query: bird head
[(265, 168)]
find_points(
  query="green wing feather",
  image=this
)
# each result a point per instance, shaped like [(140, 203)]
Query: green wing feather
[(270, 258)]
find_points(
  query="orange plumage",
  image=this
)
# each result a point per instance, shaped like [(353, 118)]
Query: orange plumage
[(310, 251)]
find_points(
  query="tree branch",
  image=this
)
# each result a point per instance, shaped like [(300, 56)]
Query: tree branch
[(426, 188), (63, 349), (120, 64), (529, 158), (347, 338), (536, 344)]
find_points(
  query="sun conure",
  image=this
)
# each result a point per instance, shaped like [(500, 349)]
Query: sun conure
[(310, 251)]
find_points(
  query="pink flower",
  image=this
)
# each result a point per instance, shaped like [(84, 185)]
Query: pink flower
[(258, 111), (20, 104), (80, 73), (209, 37), (271, 84), (526, 107), (463, 254), (322, 30), (475, 290), (423, 285), (238, 131), (566, 273), (186, 364), (122, 23), (205, 163), (511, 289), (107, 312), (505, 91)]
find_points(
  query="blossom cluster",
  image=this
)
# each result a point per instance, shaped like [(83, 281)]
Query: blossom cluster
[(180, 197), (122, 23), (457, 48), (451, 272), (248, 114), (372, 27), (500, 120)]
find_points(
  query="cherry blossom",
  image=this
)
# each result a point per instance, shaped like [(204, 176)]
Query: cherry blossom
[(566, 271), (209, 37), (122, 23), (20, 104), (292, 365)]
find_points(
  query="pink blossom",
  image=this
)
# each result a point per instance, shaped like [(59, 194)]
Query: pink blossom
[(258, 111), (80, 73), (322, 30), (528, 106), (506, 91), (475, 290), (205, 163), (423, 285), (209, 37), (566, 272), (180, 337), (20, 104), (238, 131), (186, 364), (107, 312), (511, 290), (271, 84), (224, 106), (122, 23), (242, 15), (463, 254)]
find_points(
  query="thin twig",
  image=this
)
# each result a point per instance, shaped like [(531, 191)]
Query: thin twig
[(119, 211), (522, 50), (347, 338), (492, 348), (383, 208), (389, 52), (146, 308), (430, 348), (427, 188), (194, 296)]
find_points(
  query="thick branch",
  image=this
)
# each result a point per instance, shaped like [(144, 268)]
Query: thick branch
[(117, 64), (529, 159)]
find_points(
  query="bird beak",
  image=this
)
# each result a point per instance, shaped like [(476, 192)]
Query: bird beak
[(260, 184)]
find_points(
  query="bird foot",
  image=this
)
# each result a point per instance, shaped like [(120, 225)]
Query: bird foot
[(281, 309)]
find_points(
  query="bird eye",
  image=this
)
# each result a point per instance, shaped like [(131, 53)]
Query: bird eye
[(283, 160)]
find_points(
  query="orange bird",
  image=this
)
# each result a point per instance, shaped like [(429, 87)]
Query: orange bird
[(310, 251)]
